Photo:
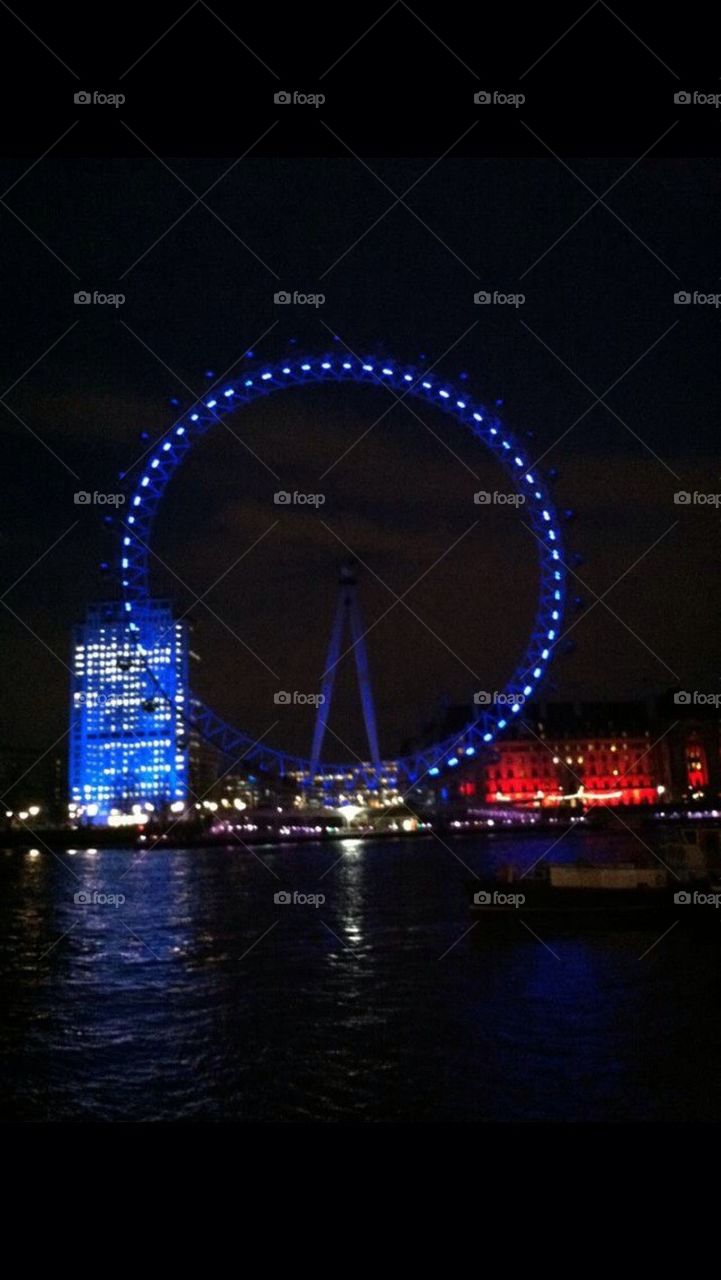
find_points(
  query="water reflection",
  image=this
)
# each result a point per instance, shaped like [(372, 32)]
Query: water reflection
[(176, 985)]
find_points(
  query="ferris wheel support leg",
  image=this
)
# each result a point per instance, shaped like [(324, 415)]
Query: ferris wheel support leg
[(364, 682), (331, 663)]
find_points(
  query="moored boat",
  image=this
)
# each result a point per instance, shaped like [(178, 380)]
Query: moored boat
[(683, 886)]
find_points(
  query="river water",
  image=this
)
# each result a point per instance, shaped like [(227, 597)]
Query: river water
[(200, 997)]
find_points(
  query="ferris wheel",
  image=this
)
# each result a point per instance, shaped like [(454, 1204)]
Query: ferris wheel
[(172, 449)]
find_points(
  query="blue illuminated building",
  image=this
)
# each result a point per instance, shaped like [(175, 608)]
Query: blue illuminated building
[(128, 731)]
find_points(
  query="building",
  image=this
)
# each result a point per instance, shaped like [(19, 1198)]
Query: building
[(581, 755), (611, 771), (128, 731)]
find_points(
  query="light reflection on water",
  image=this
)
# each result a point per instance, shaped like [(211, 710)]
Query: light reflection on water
[(200, 996)]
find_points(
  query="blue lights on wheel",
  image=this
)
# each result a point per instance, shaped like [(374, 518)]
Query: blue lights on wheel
[(484, 425)]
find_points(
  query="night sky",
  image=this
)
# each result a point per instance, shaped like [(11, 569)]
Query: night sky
[(599, 313)]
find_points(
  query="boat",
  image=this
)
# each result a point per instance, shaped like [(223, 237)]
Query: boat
[(685, 885), (693, 846)]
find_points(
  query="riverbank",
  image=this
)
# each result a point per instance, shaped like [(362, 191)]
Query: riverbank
[(180, 835)]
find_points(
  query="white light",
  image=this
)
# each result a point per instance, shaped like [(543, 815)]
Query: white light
[(349, 811)]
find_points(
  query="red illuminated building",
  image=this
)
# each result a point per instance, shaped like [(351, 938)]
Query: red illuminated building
[(549, 772), (588, 754)]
